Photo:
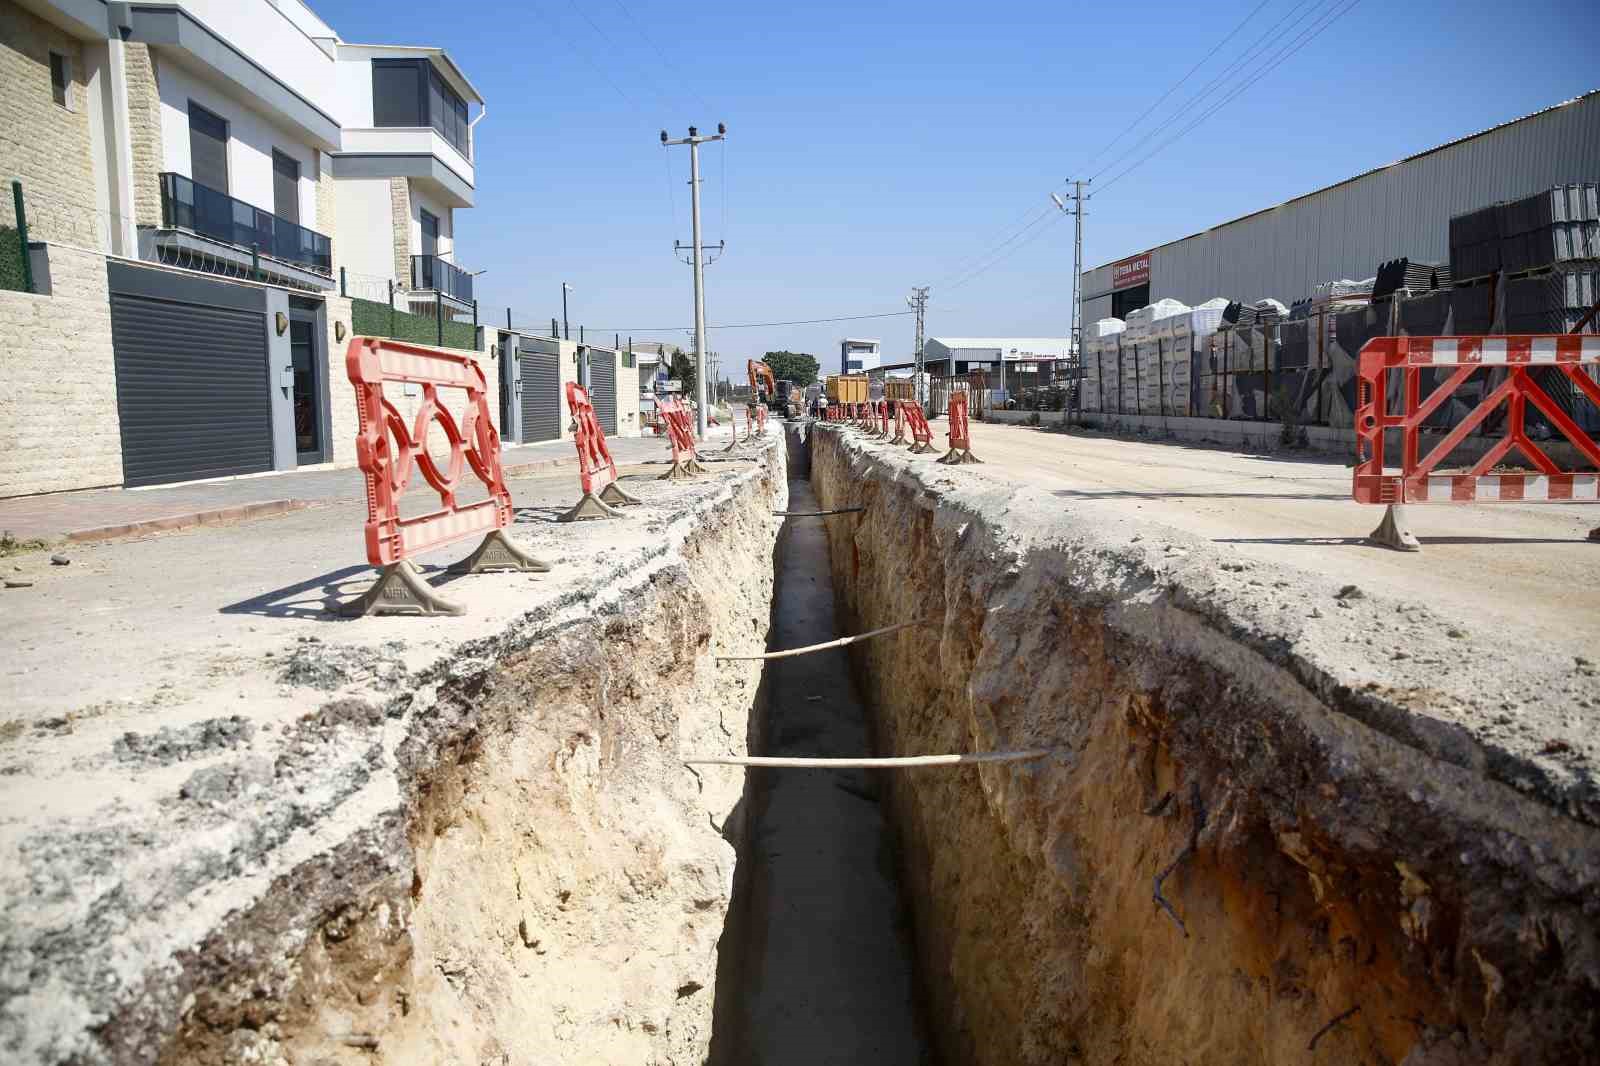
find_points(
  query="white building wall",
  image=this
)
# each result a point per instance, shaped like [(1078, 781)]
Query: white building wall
[(251, 139), (364, 242), (274, 42), (420, 199)]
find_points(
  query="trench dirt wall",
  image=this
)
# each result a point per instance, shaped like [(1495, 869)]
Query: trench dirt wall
[(1333, 892), (550, 882)]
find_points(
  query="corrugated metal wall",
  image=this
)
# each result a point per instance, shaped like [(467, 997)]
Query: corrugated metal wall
[(1346, 231)]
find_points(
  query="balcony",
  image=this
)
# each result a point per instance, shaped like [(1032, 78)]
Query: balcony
[(433, 274), (247, 230)]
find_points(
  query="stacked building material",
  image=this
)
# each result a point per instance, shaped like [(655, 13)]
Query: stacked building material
[(1409, 275), (1100, 352), (1475, 243), (1183, 340), (1556, 226)]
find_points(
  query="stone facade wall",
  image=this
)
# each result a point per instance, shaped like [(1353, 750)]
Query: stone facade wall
[(327, 206), (58, 395), (42, 143), (144, 133), (400, 214)]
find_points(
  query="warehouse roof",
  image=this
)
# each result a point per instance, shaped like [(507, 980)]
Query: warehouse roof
[(1043, 346), (1407, 159)]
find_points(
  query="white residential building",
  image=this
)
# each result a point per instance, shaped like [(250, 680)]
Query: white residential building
[(858, 356)]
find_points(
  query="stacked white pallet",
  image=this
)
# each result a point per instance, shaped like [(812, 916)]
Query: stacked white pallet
[(1182, 336), (1155, 384), (1100, 343)]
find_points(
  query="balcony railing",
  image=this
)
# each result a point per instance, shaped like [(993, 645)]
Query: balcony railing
[(439, 275), (186, 204)]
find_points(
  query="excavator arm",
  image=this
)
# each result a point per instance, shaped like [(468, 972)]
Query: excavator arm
[(760, 372)]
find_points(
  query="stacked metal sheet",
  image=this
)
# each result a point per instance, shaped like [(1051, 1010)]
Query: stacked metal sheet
[(1475, 243), (1409, 275), (1556, 226), (1554, 301)]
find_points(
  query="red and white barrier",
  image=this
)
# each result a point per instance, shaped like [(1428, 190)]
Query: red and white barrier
[(960, 451), (1418, 479)]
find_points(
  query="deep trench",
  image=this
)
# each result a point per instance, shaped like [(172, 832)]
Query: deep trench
[(816, 963)]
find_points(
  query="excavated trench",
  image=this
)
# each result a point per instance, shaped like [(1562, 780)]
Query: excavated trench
[(1216, 864), (1230, 857)]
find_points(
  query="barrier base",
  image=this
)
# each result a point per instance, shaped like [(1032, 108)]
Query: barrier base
[(921, 448), (400, 590), (1395, 532), (589, 507), (499, 552), (614, 495), (958, 457), (1594, 534), (678, 472)]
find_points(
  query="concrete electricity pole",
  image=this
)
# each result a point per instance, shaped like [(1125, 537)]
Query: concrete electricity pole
[(1075, 338), (918, 302), (694, 141)]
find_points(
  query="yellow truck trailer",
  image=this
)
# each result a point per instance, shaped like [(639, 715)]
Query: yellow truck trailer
[(847, 388)]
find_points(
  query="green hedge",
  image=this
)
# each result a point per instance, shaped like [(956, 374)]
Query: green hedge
[(373, 319), (11, 260)]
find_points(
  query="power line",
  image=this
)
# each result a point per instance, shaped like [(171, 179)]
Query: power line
[(555, 28), (751, 325), (655, 86), (669, 64), (1174, 86), (1252, 52), (1046, 220), (1305, 37)]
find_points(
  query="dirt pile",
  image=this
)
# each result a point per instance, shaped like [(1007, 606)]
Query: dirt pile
[(1242, 853)]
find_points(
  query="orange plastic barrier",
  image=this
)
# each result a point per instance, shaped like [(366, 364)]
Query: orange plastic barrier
[(597, 471), (387, 449), (680, 437), (899, 423), (883, 419), (761, 421), (921, 434), (960, 440), (1416, 481)]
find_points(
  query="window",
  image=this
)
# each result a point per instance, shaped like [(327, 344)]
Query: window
[(285, 186), (430, 232), (409, 92), (397, 94), (60, 76), (208, 148)]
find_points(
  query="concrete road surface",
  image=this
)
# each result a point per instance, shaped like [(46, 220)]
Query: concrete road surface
[(1527, 566)]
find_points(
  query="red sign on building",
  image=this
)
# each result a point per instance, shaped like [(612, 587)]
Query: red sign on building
[(1131, 272)]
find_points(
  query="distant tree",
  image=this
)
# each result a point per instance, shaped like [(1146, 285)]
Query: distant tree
[(797, 367), (682, 368)]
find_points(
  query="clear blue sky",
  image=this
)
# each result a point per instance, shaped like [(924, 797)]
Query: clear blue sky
[(874, 146)]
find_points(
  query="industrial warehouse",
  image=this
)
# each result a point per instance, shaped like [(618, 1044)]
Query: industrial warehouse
[(1261, 318)]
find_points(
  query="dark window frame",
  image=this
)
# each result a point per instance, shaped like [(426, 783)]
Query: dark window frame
[(278, 154), (452, 118), (423, 214), (60, 78), (227, 136)]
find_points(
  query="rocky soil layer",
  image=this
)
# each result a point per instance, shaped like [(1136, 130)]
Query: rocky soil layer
[(496, 857), (1259, 840)]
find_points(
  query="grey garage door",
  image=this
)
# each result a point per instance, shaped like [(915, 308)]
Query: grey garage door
[(541, 395), (603, 387), (192, 390)]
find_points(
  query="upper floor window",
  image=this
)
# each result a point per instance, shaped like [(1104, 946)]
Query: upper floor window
[(208, 148), (60, 77), (409, 92)]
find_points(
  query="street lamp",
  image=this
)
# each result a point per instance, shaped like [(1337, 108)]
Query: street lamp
[(566, 331)]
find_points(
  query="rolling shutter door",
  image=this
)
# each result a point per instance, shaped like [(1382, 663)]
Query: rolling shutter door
[(541, 396), (603, 388), (192, 390)]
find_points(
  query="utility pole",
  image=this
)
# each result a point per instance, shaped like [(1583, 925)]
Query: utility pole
[(694, 141), (566, 332), (918, 302), (1075, 338)]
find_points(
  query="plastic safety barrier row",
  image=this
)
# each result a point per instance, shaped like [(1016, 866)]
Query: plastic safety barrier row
[(680, 438), (387, 449), (597, 471), (1517, 362), (960, 440)]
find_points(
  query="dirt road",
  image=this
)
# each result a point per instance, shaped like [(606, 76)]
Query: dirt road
[(1496, 565)]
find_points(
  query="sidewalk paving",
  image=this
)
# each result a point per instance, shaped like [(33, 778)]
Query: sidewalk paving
[(101, 514)]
